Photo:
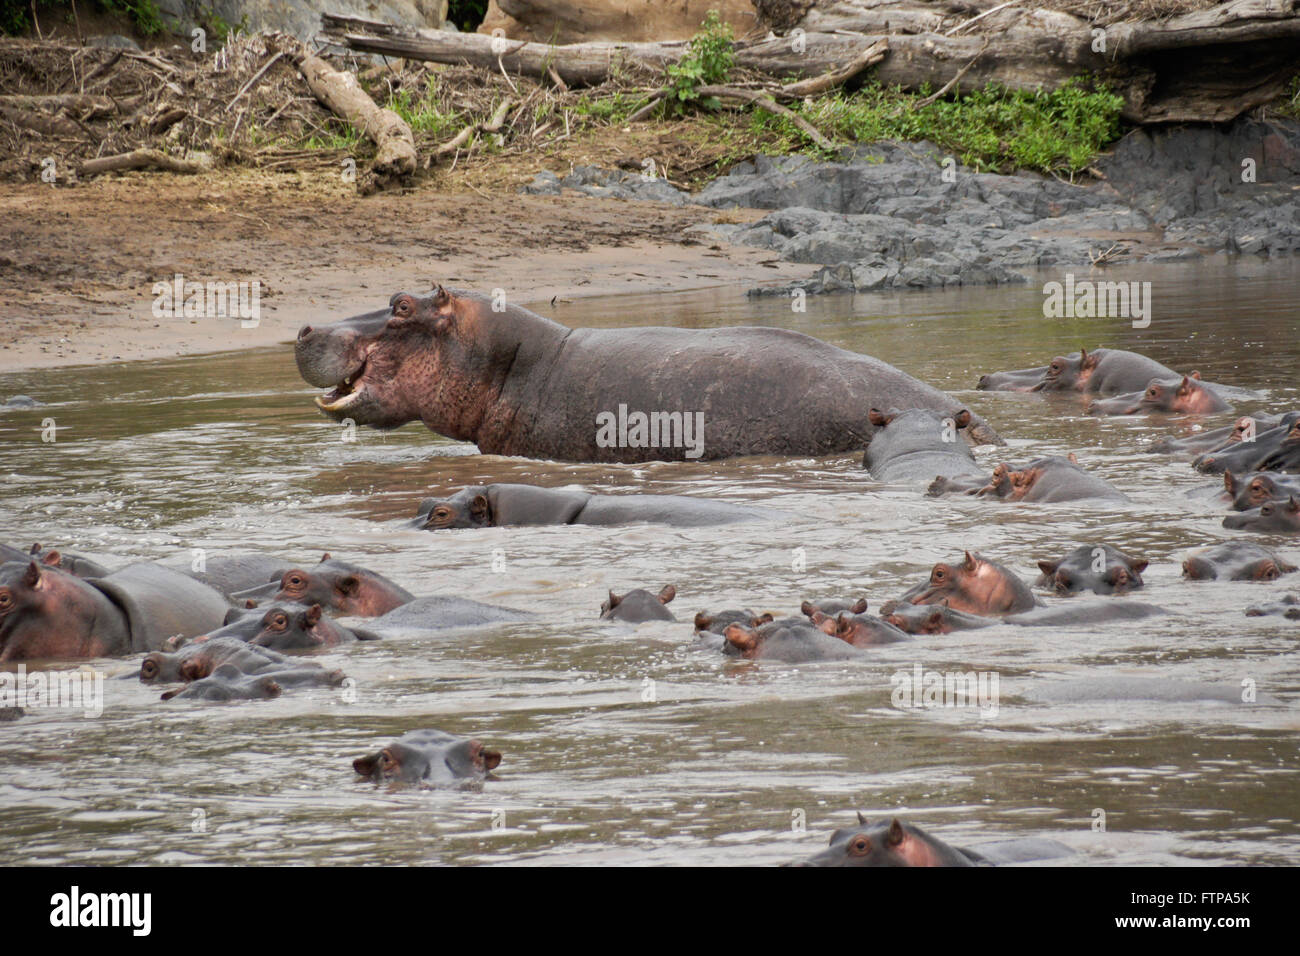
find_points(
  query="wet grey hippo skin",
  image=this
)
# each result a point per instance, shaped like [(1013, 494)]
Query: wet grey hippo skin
[(792, 640), (502, 505), (1050, 480), (639, 605), (46, 613), (931, 618), (429, 758), (1153, 688), (230, 574), (1255, 488), (286, 626), (1185, 396), (895, 843), (1099, 372), (515, 383), (918, 444), (339, 587), (1287, 606), (834, 606), (82, 567), (1274, 449), (1216, 438), (710, 627), (1099, 568), (941, 619), (858, 630), (1280, 517), (974, 585), (227, 668), (1237, 561)]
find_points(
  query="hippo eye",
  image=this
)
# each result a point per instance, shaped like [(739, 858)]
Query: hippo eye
[(1266, 510), (442, 512), (1268, 574), (149, 669), (860, 845), (1153, 392), (939, 574), (294, 581), (6, 600), (278, 621), (402, 307)]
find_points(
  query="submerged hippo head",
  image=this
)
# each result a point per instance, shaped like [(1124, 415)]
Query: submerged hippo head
[(889, 844), (292, 628), (46, 613), (1280, 516), (421, 359), (1067, 373), (718, 622), (467, 508), (976, 586), (639, 605), (343, 589), (833, 606), (1239, 561), (429, 758), (859, 630), (1098, 568)]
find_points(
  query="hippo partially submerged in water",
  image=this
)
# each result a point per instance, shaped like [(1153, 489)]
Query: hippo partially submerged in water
[(903, 844), (515, 383), (429, 758), (502, 505)]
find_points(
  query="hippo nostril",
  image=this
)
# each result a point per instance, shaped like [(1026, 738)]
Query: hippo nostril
[(304, 332)]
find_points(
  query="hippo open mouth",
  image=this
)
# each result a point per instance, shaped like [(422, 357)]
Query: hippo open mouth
[(346, 393)]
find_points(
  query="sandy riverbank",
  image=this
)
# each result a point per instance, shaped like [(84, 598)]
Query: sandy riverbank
[(78, 265)]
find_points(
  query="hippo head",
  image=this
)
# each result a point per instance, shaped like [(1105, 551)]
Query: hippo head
[(468, 508), (976, 586), (343, 589), (717, 623), (918, 619), (811, 608), (437, 359), (887, 844), (1283, 516), (285, 628), (432, 758), (639, 605), (860, 630), (47, 613), (1066, 372), (1259, 490)]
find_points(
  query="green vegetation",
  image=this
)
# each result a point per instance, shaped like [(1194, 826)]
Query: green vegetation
[(993, 128), (422, 115), (144, 14), (707, 62), (467, 14)]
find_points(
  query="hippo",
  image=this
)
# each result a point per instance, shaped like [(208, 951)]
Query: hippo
[(198, 659), (1277, 516), (230, 682), (710, 627), (1255, 488), (1188, 396), (639, 605), (501, 505), (1129, 688), (975, 586), (20, 401), (429, 758), (439, 612), (515, 383), (918, 443), (1099, 372), (1099, 568), (792, 640), (295, 627), (903, 844), (50, 614), (833, 606), (860, 630), (1269, 445), (1090, 612), (234, 573), (1216, 438), (1048, 480), (1287, 606), (344, 589), (931, 618), (1238, 561), (75, 564)]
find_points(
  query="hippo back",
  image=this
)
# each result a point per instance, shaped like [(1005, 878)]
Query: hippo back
[(159, 602)]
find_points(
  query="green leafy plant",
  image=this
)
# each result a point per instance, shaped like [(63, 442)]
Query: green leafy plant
[(708, 60)]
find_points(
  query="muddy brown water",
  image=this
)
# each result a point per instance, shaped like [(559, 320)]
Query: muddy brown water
[(730, 762)]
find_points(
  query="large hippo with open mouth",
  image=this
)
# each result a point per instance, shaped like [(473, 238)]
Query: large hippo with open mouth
[(515, 383)]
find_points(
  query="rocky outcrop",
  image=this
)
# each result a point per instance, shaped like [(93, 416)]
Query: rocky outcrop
[(576, 21), (904, 215), (300, 18)]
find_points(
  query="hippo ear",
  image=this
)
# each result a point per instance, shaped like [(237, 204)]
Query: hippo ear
[(325, 556), (1048, 567), (1185, 385), (440, 295), (878, 418), (248, 603), (971, 563), (34, 549), (765, 618), (231, 616), (962, 418), (703, 622), (667, 593), (1230, 482), (824, 622), (491, 759), (365, 766), (859, 606), (480, 508), (935, 618), (1195, 375), (741, 637), (1139, 564), (896, 834), (32, 578), (52, 559), (614, 601), (312, 617), (1292, 504), (807, 608), (862, 820)]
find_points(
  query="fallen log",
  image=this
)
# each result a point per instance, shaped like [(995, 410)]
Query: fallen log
[(1208, 66), (142, 159), (395, 158)]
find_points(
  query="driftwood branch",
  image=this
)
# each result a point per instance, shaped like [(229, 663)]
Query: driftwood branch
[(764, 101), (143, 159), (872, 55)]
